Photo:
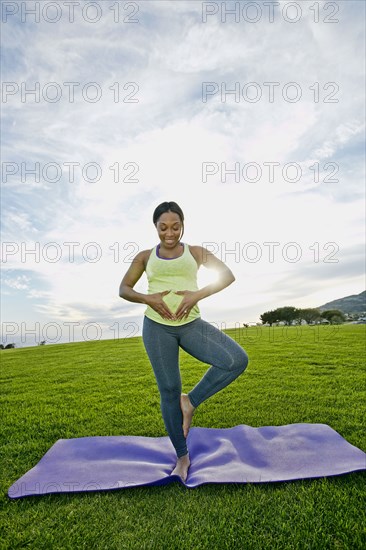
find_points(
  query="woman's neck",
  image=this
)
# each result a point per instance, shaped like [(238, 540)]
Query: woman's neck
[(169, 252)]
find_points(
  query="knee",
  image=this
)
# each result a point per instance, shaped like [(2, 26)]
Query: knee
[(241, 362)]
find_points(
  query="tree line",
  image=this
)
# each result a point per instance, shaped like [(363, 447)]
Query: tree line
[(293, 315)]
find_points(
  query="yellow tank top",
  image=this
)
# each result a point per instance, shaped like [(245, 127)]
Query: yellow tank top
[(172, 274)]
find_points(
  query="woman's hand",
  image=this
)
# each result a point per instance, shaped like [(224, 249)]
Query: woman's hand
[(156, 302), (190, 299)]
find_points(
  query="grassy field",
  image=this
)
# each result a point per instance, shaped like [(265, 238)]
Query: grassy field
[(304, 374)]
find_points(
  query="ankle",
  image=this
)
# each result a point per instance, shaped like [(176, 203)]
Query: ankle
[(184, 457), (190, 402)]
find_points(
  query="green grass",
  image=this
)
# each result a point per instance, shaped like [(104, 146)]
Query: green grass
[(82, 389)]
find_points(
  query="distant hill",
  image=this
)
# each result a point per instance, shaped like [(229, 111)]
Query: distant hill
[(356, 303)]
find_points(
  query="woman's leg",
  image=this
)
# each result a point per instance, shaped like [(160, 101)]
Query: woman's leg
[(161, 345), (210, 345)]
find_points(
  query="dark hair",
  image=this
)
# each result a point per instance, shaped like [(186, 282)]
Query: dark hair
[(170, 206)]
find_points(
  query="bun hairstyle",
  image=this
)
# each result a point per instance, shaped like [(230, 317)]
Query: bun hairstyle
[(170, 206)]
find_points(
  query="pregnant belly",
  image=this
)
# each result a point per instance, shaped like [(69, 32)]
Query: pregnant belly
[(173, 300)]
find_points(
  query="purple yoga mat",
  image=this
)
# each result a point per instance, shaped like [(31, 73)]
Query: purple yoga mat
[(241, 454)]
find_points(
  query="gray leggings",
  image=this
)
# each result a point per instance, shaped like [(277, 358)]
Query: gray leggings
[(207, 344)]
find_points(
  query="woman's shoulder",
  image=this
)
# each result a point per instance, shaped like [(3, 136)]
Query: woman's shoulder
[(143, 256)]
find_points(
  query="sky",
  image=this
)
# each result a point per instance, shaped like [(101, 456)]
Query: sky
[(252, 121)]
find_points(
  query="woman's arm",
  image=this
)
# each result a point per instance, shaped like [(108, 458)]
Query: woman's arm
[(190, 298), (225, 278), (131, 277)]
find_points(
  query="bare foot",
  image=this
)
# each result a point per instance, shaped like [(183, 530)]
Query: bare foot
[(188, 412), (181, 468)]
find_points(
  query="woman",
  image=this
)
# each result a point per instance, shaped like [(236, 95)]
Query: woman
[(172, 320)]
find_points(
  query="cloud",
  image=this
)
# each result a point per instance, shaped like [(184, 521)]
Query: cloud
[(19, 283)]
